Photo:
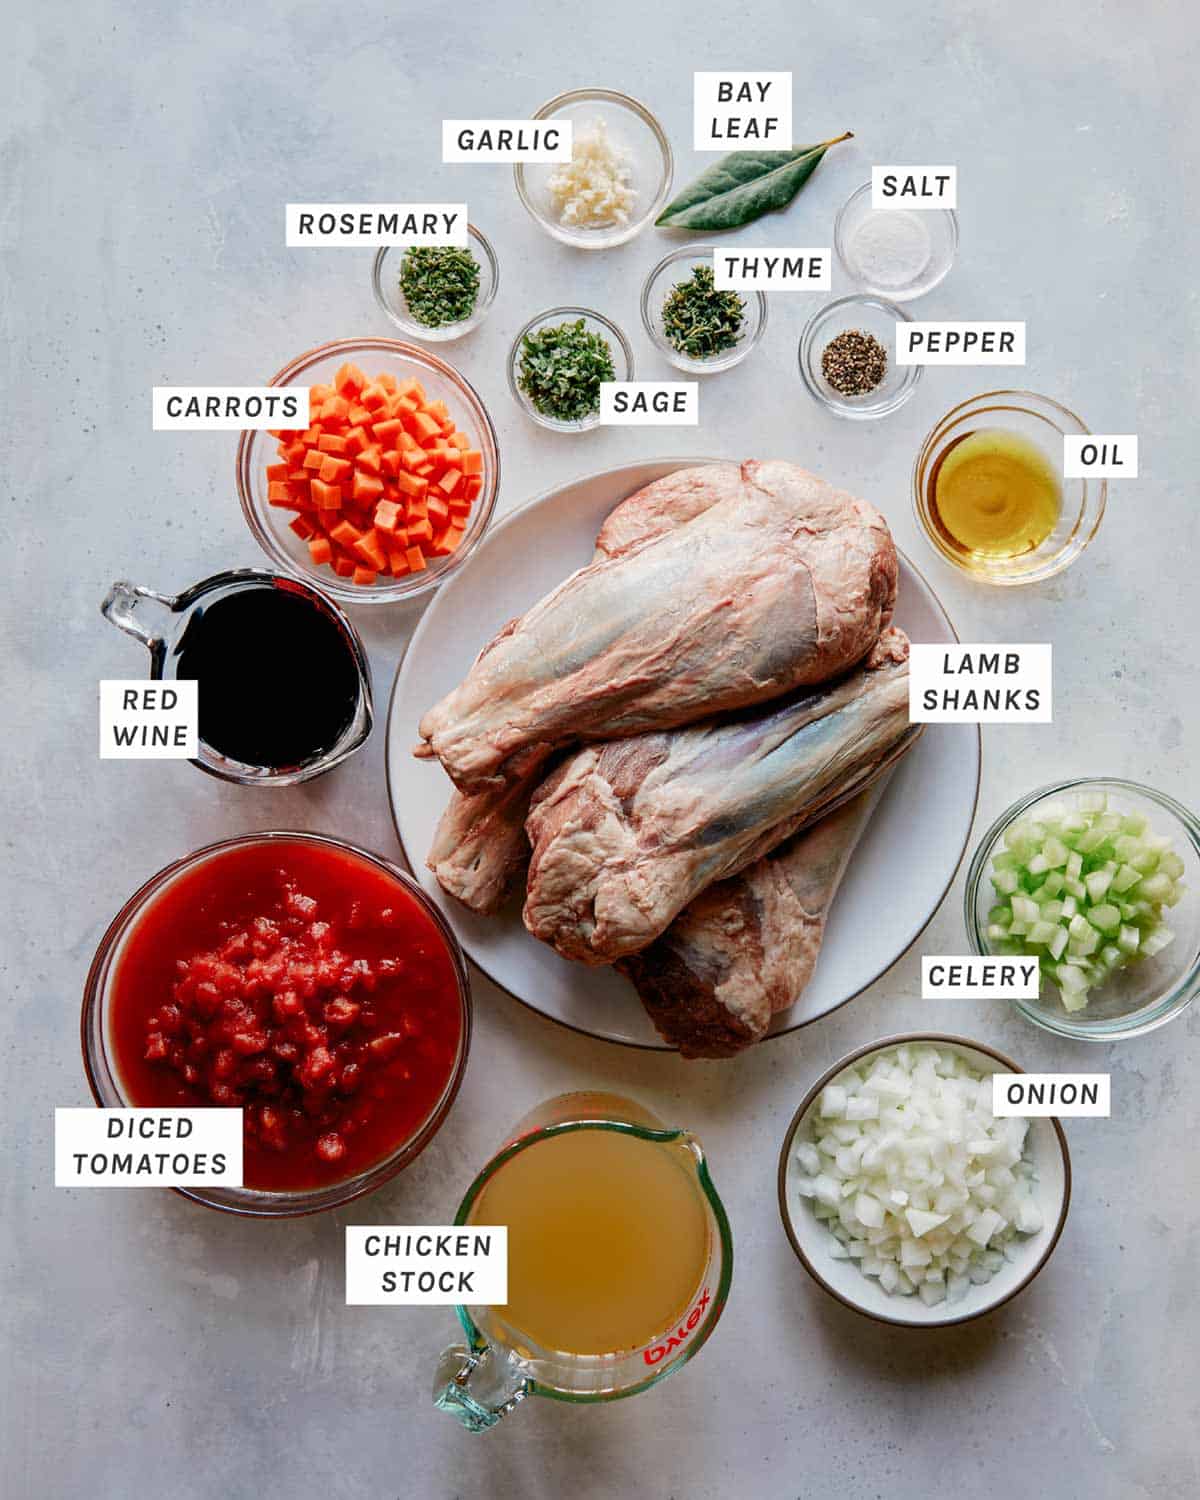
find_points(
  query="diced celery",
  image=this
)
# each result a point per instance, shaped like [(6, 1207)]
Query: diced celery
[(1134, 822), (1001, 915), (1055, 853), (1089, 841), (1127, 846), (1176, 892), (1129, 939), (1075, 888), (1145, 861), (1171, 864), (1024, 909), (1038, 865), (1097, 884), (1005, 881), (1156, 887), (1107, 918), (1093, 802), (1159, 939), (996, 933), (1074, 865), (1125, 878), (1058, 942), (1042, 932), (1085, 945), (1051, 911), (1053, 883), (1069, 907)]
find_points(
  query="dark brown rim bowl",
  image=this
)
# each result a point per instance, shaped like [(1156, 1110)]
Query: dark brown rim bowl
[(104, 1082), (977, 1301)]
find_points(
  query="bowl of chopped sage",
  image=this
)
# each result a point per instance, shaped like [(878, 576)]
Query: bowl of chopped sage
[(558, 363), (695, 324), (437, 292)]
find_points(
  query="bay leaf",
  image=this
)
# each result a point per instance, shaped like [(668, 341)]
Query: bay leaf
[(743, 185)]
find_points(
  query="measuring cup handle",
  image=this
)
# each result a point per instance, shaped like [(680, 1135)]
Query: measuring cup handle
[(120, 607), (478, 1386)]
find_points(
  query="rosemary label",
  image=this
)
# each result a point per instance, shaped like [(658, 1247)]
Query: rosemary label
[(746, 270), (358, 225)]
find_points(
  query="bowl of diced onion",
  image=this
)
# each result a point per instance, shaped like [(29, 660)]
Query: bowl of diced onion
[(1097, 879), (905, 1198)]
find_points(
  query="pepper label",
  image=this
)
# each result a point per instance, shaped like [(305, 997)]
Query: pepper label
[(960, 343)]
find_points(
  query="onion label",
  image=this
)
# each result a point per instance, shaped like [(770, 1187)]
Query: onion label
[(1100, 455), (507, 141), (649, 403), (390, 1265), (148, 1148), (914, 187), (979, 684), (1026, 1095), (227, 408), (772, 270), (960, 343), (362, 225), (946, 977), (734, 110), (149, 720)]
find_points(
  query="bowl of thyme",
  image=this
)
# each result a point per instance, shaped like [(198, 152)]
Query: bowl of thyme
[(437, 292), (558, 363), (695, 324)]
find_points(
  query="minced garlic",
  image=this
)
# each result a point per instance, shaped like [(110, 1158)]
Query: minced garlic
[(593, 189)]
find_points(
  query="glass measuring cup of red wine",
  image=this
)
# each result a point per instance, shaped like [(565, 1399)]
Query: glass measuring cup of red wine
[(284, 686)]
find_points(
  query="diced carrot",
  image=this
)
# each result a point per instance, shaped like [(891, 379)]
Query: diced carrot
[(374, 396), (437, 410), (398, 561), (344, 566), (349, 380), (459, 440), (370, 459), (387, 380), (358, 416), (424, 427), (422, 531), (298, 488), (326, 496), (294, 453), (416, 559), (345, 534), (398, 405), (334, 470), (388, 432), (448, 483), (439, 513), (313, 459), (460, 508), (319, 394), (474, 485), (370, 550), (411, 386), (391, 463), (278, 493), (355, 441), (311, 437), (276, 473), (303, 528), (387, 516), (336, 409), (320, 550), (329, 442), (366, 487), (365, 576), (472, 461)]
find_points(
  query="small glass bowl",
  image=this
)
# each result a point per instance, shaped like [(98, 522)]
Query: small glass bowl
[(256, 449), (1148, 992), (1043, 422), (631, 125), (99, 1058), (385, 278), (677, 267), (941, 223), (873, 315), (594, 322)]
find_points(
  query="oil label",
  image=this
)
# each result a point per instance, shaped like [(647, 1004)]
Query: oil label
[(393, 1265), (148, 1147), (1108, 455), (507, 141), (950, 977), (649, 403), (362, 225), (227, 408), (744, 270), (149, 720), (980, 684), (732, 110), (914, 187), (960, 343), (1031, 1095)]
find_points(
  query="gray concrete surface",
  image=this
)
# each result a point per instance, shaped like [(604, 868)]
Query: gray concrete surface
[(154, 1349)]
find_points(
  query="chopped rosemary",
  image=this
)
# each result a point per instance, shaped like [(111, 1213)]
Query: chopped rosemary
[(561, 369), (440, 284), (700, 321)]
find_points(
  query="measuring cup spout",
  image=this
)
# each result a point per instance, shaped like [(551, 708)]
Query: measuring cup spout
[(121, 605), (478, 1386)]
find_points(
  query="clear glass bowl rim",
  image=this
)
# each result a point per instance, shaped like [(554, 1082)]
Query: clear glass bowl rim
[(1178, 997), (839, 243), (730, 357), (448, 332), (254, 1202), (808, 334), (585, 424)]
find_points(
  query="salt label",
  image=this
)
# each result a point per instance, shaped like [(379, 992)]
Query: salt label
[(914, 187), (735, 110), (649, 403), (960, 343), (147, 1148), (947, 977), (1033, 1095), (392, 1265), (1100, 455), (363, 225), (772, 270), (507, 141), (149, 720), (979, 684)]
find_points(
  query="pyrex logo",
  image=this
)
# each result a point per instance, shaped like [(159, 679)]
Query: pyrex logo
[(656, 1352)]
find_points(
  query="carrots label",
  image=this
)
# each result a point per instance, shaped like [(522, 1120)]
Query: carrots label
[(226, 408)]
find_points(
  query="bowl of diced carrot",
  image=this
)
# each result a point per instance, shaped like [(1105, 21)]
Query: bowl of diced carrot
[(390, 486)]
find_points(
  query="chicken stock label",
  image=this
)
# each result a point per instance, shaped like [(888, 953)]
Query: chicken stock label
[(980, 684), (395, 1265)]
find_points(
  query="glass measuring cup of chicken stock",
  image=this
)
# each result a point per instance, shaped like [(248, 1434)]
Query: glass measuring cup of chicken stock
[(620, 1259)]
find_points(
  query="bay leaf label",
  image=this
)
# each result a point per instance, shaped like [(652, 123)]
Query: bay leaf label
[(732, 110)]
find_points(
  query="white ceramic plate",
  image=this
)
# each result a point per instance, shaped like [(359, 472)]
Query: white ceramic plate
[(1046, 1147), (900, 872)]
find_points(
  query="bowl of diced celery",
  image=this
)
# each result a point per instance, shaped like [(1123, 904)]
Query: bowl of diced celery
[(1097, 878)]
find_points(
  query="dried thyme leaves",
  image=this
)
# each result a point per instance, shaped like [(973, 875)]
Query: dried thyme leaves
[(700, 321)]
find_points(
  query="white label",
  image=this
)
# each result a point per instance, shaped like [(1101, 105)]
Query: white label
[(147, 1148), (649, 403), (395, 1265), (507, 140), (1030, 1095), (363, 225), (734, 110), (979, 684), (960, 343), (946, 977), (772, 270), (227, 408), (145, 720), (1110, 455), (914, 187)]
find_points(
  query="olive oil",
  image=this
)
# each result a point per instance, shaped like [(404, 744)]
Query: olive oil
[(994, 494)]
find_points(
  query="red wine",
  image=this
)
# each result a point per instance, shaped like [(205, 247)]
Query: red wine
[(278, 675)]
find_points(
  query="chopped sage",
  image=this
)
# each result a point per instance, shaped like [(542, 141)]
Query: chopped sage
[(561, 370)]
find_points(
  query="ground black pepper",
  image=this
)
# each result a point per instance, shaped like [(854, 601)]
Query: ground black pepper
[(854, 363)]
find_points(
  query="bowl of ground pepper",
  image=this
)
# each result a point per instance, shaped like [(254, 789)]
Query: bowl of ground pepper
[(846, 358), (437, 292), (695, 324)]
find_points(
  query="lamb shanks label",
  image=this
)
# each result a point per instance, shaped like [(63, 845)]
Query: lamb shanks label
[(396, 1265), (979, 684), (147, 1148)]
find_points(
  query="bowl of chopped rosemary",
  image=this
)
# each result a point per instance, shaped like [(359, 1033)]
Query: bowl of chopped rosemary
[(693, 323), (437, 292), (558, 362)]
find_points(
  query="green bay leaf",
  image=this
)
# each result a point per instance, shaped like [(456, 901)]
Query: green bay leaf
[(743, 185)]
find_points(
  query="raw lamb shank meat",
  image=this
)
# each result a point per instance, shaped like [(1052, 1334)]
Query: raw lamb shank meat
[(782, 583)]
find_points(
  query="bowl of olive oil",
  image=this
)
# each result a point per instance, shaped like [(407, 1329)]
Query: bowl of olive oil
[(989, 489)]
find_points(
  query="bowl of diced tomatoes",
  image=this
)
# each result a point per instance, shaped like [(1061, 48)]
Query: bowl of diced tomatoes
[(392, 483)]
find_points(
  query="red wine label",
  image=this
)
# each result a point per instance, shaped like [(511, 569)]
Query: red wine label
[(393, 1265), (149, 720)]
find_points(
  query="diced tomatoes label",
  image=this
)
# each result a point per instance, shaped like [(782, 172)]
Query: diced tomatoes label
[(149, 720), (391, 1265), (147, 1148)]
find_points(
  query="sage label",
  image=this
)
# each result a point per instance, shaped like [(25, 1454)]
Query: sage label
[(649, 403)]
